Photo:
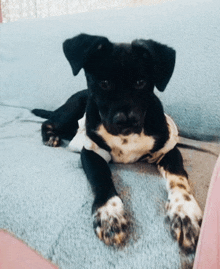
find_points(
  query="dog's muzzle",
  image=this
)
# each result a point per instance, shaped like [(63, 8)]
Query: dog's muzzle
[(126, 123)]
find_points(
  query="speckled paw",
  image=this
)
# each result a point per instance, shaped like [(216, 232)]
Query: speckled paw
[(110, 223), (185, 221)]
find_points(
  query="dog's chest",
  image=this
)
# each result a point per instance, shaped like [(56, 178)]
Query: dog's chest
[(127, 149)]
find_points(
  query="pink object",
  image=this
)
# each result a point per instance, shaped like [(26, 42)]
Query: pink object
[(14, 254), (208, 250)]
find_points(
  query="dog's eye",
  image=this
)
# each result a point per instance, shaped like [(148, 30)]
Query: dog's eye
[(140, 84), (105, 85)]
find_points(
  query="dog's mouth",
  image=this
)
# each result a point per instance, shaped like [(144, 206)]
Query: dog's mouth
[(124, 130), (127, 131)]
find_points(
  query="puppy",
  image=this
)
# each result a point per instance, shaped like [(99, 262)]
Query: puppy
[(122, 120)]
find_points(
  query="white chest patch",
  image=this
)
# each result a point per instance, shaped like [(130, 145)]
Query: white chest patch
[(125, 149)]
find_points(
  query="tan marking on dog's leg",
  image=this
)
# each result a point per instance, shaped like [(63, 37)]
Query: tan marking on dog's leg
[(175, 181), (49, 126)]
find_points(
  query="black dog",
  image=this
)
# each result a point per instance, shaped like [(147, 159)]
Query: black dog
[(124, 122)]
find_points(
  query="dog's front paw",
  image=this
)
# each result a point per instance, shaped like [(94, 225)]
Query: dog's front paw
[(50, 138), (185, 220), (110, 223), (53, 141)]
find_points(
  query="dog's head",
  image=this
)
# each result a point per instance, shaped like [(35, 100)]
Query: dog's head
[(121, 77)]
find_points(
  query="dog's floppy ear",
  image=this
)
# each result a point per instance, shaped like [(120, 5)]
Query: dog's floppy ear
[(163, 59), (79, 48)]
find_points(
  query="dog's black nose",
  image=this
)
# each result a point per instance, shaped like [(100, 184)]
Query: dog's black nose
[(120, 118), (131, 119), (134, 117)]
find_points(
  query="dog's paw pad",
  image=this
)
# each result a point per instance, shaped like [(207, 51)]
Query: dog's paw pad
[(185, 222), (54, 141), (185, 232), (110, 223)]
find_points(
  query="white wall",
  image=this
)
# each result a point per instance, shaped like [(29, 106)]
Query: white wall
[(13, 10)]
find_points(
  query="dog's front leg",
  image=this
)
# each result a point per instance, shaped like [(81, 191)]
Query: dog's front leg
[(183, 211), (109, 220)]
